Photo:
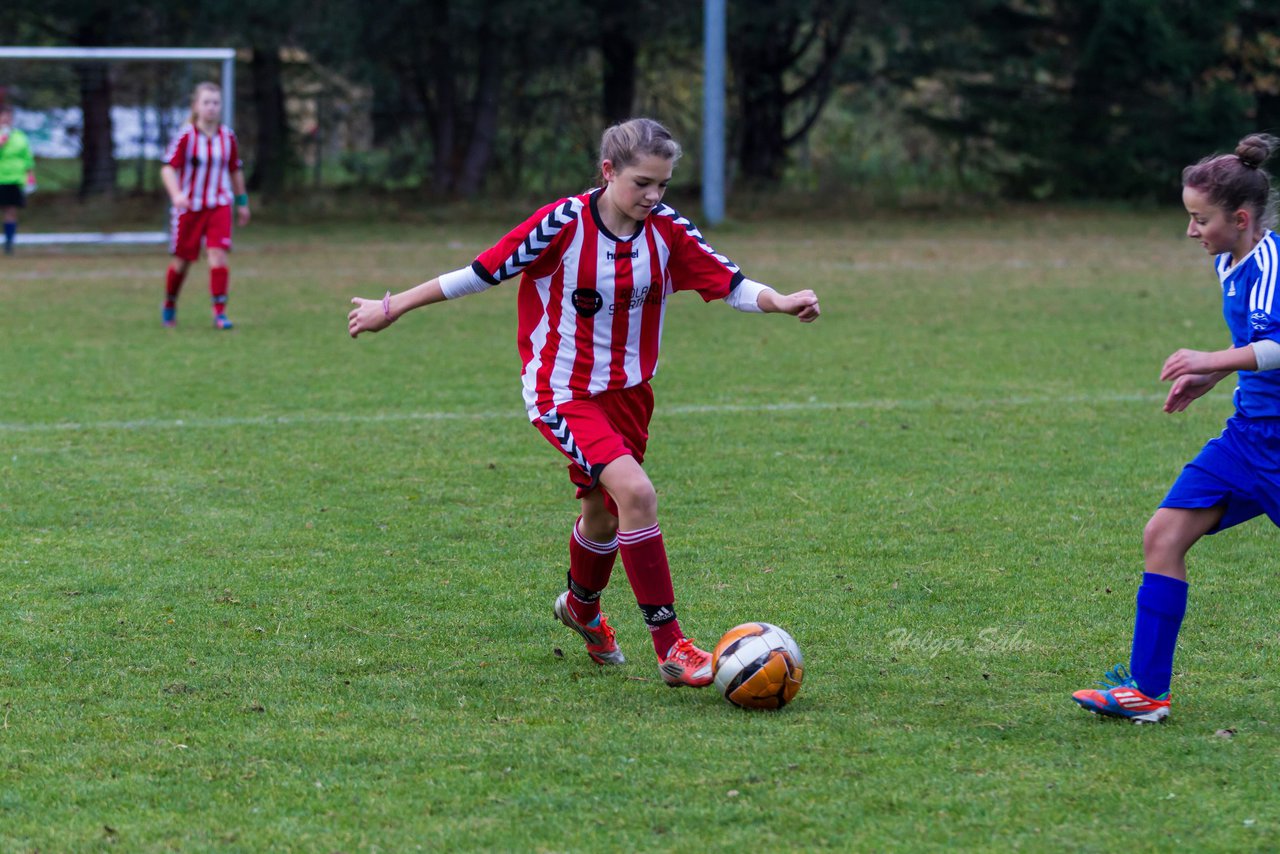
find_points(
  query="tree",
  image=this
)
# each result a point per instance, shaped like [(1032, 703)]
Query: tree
[(273, 151), (619, 50), (1253, 60), (97, 144), (772, 42), (1093, 99), (94, 23), (267, 28), (437, 68)]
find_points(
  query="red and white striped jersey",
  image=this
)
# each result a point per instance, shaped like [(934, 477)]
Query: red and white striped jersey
[(591, 304), (204, 163)]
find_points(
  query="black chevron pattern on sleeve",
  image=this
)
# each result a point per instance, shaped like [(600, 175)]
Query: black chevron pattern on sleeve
[(674, 215), (539, 238)]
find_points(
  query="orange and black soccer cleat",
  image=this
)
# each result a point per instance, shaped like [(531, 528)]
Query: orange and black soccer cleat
[(685, 664), (601, 646)]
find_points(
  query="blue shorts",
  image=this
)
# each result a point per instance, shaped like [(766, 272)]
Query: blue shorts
[(1240, 469)]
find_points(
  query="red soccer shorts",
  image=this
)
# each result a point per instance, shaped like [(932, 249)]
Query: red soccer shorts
[(212, 225), (593, 433)]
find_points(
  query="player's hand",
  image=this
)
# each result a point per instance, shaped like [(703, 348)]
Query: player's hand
[(1184, 362), (242, 215), (1187, 388), (181, 203), (367, 316), (803, 305)]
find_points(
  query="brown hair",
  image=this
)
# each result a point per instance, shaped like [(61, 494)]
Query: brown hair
[(203, 86), (626, 142), (1235, 181)]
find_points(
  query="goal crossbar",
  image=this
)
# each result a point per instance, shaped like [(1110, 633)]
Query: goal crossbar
[(225, 55)]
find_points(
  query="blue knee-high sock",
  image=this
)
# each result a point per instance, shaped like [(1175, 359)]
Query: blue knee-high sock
[(1162, 602), (10, 229)]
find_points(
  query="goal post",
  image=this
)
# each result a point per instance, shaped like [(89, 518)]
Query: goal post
[(221, 57)]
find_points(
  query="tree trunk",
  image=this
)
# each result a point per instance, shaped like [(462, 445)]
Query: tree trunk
[(484, 128), (272, 160), (97, 153), (769, 48), (619, 50), (1268, 115), (440, 99), (759, 64)]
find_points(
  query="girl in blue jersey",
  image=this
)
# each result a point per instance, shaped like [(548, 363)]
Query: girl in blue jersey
[(1237, 475)]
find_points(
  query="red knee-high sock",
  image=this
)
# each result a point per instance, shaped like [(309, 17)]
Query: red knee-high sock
[(218, 288), (644, 557), (173, 280), (590, 565)]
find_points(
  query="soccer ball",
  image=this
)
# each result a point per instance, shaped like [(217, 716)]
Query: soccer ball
[(757, 666)]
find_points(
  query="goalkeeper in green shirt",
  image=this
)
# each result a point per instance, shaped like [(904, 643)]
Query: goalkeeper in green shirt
[(17, 174)]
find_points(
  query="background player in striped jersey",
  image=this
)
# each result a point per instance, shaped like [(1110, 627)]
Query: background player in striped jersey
[(203, 175), (596, 272), (1237, 475)]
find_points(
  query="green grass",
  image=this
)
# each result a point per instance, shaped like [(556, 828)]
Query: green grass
[(280, 590)]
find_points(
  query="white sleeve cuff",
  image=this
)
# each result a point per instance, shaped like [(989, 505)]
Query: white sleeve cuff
[(1267, 352), (459, 283), (746, 296)]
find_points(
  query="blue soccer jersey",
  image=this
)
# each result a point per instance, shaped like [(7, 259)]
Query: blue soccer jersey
[(1252, 314)]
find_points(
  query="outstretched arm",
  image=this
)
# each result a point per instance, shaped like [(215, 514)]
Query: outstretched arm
[(801, 304), (372, 315), (753, 296), (1195, 372), (1188, 387), (1185, 361)]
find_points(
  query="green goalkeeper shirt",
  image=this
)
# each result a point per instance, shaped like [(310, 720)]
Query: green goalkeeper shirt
[(15, 158)]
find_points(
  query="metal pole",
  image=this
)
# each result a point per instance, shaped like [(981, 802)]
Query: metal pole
[(713, 170), (229, 91)]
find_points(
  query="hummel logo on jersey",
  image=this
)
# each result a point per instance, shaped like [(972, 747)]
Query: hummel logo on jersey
[(614, 256), (1232, 290)]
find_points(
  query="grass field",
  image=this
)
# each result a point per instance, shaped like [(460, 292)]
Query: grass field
[(280, 590)]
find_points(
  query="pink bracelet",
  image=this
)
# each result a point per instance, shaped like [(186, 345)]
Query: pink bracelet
[(386, 306)]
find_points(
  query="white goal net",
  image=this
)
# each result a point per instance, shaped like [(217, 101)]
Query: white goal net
[(99, 121)]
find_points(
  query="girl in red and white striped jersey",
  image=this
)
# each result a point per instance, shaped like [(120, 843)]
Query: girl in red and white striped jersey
[(596, 271), (202, 173)]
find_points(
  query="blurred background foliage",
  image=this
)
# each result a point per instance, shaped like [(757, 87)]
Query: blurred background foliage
[(894, 101)]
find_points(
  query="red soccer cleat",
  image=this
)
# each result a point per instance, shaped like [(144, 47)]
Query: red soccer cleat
[(685, 664), (601, 646)]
